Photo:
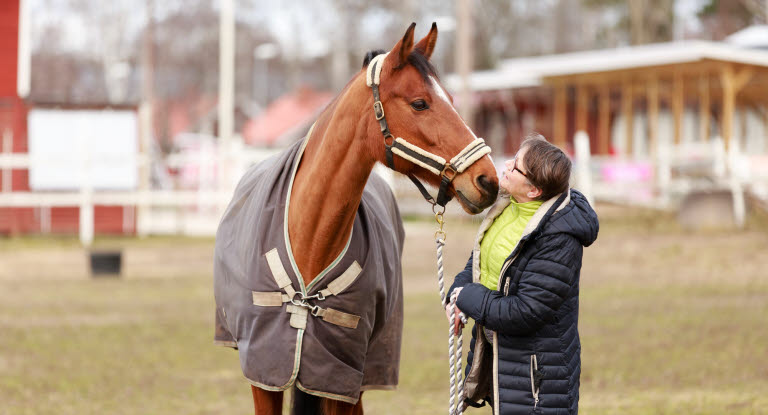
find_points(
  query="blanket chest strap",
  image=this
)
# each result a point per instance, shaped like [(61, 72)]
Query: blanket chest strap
[(298, 316), (278, 272), (300, 308), (343, 281), (269, 299), (339, 318)]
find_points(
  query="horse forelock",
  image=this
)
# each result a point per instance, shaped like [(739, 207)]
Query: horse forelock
[(423, 65)]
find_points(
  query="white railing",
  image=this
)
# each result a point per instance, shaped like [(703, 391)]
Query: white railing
[(187, 211), (675, 172), (635, 181)]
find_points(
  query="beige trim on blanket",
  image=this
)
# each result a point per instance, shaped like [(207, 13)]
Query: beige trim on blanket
[(225, 343), (378, 387), (294, 374), (333, 396)]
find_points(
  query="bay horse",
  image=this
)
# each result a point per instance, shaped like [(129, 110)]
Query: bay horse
[(329, 182)]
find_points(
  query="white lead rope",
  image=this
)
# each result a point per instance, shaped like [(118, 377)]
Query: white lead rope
[(455, 341)]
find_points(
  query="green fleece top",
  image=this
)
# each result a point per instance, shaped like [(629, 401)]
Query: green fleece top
[(501, 238)]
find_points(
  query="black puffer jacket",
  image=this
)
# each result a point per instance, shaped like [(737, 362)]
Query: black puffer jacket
[(527, 360)]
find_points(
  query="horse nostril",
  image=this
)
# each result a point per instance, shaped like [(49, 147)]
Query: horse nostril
[(489, 187)]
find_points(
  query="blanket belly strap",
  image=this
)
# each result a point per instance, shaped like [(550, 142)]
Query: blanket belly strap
[(300, 309)]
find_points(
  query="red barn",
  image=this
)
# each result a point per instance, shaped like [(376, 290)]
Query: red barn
[(13, 118), (15, 176)]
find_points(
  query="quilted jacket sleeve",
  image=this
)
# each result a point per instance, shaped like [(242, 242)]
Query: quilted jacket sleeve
[(544, 285), (462, 278)]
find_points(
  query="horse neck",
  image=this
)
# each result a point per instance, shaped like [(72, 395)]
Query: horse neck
[(329, 183)]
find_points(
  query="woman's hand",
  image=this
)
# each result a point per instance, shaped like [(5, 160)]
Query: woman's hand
[(454, 314)]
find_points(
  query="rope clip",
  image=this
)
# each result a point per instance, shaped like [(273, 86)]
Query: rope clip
[(440, 234)]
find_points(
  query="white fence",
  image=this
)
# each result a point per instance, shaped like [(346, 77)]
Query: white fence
[(159, 211), (635, 181), (677, 171)]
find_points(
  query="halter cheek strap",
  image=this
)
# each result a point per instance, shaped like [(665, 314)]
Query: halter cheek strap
[(429, 161)]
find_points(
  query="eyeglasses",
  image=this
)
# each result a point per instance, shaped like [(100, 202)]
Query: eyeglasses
[(514, 167)]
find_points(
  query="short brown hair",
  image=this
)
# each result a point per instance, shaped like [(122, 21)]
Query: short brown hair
[(548, 168)]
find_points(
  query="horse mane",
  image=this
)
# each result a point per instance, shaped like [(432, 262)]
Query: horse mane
[(370, 55), (416, 59)]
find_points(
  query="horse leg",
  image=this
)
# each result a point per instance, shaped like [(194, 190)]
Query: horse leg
[(305, 404), (266, 402), (331, 407)]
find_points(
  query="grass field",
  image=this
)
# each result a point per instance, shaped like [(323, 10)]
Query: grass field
[(671, 323)]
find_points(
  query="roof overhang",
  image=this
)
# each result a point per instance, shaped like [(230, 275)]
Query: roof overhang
[(534, 71)]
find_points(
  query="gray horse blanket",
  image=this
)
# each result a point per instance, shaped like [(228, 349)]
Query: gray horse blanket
[(335, 346)]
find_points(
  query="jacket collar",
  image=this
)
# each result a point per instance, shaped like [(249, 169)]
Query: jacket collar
[(546, 210)]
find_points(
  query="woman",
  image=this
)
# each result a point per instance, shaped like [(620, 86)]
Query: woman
[(521, 286)]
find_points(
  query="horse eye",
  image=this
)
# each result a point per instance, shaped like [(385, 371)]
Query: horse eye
[(419, 105)]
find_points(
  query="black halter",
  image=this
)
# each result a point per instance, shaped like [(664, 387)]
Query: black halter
[(447, 170)]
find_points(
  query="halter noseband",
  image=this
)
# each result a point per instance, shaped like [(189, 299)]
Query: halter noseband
[(429, 161)]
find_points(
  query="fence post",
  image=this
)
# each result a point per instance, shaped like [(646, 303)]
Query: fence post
[(735, 180), (143, 211), (718, 151), (583, 162), (86, 195), (664, 171)]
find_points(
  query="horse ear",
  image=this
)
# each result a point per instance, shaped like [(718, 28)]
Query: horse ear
[(403, 48), (427, 45)]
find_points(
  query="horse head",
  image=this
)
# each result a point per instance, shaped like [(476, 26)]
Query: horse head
[(417, 108)]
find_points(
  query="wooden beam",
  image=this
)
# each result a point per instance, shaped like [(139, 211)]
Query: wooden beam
[(661, 71), (582, 107), (628, 113), (743, 133), (742, 77), (560, 116), (765, 127), (604, 120), (678, 104), (727, 81), (704, 107), (754, 95), (653, 116)]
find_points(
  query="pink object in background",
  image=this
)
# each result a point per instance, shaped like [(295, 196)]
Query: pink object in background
[(626, 171)]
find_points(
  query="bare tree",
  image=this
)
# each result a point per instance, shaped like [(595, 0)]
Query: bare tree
[(720, 18), (641, 21)]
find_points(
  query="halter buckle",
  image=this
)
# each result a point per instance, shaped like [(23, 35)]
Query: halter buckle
[(448, 172), (378, 109)]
